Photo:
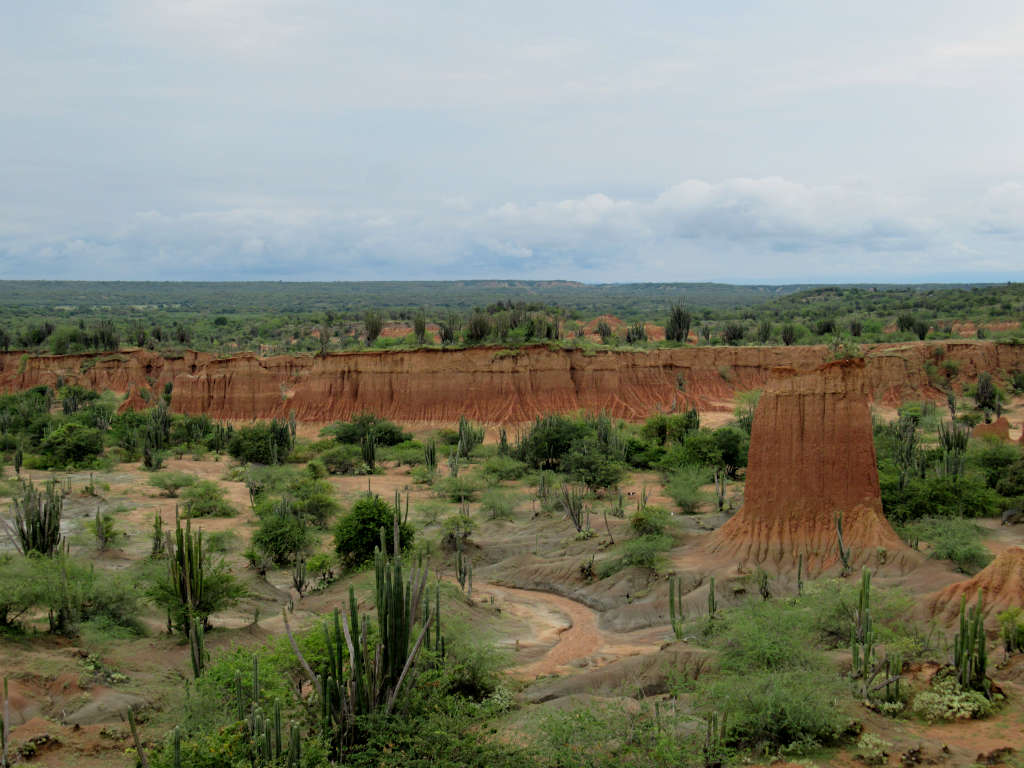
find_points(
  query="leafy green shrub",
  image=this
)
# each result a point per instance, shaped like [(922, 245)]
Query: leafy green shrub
[(649, 521), (206, 499), (343, 460), (589, 461), (499, 469), (383, 432), (282, 534), (831, 610), (457, 489), (873, 750), (358, 533), (642, 454), (993, 457), (408, 453), (548, 440), (498, 504), (221, 542), (948, 701), (262, 443), (952, 539), (776, 690), (172, 482), (936, 497), (684, 488), (71, 444)]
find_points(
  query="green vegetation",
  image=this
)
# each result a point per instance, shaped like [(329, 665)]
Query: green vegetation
[(359, 532)]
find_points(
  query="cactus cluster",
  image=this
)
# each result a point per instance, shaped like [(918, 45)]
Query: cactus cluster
[(463, 569), (714, 741), (430, 455), (37, 514), (675, 606), (185, 566), (844, 551), (712, 600), (970, 656)]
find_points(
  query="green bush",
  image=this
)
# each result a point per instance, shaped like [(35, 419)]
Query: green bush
[(549, 439), (457, 489), (499, 469), (206, 499), (590, 462), (357, 534), (498, 504), (343, 460), (952, 539), (408, 453), (993, 457), (172, 482), (936, 497), (948, 701), (262, 443), (649, 521), (364, 425), (71, 444), (776, 690), (684, 488), (282, 534)]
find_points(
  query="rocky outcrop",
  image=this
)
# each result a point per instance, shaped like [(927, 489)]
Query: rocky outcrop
[(1001, 583), (812, 457), (487, 384), (999, 429)]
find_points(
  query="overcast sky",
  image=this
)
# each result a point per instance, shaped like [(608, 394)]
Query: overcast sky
[(599, 141)]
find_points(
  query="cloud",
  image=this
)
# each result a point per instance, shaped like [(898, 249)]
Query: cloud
[(767, 229)]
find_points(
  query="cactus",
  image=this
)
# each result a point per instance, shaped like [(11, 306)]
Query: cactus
[(862, 638), (143, 761), (969, 652), (185, 566), (720, 485), (763, 584), (469, 437), (800, 574), (267, 739), (844, 551), (503, 446), (712, 600), (675, 606), (37, 514), (197, 647), (157, 548), (714, 740), (571, 499), (375, 675), (176, 754), (368, 449), (299, 575), (19, 458), (430, 455), (463, 569)]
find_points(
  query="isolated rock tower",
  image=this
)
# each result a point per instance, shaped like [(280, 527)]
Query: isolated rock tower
[(812, 456)]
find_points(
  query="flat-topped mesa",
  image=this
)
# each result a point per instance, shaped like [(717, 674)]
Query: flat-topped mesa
[(812, 456), (1001, 583)]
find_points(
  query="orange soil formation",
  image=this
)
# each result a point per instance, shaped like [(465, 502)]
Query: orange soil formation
[(1001, 583), (999, 428), (487, 384), (811, 456)]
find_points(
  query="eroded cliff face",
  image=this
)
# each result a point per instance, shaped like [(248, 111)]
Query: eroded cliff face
[(486, 384), (1001, 583), (812, 456)]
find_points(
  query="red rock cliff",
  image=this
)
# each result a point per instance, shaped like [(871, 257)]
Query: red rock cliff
[(811, 456), (1001, 583), (486, 384)]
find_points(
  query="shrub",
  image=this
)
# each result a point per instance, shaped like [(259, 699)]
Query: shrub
[(282, 534), (832, 606), (649, 521), (589, 461), (952, 539), (343, 460), (678, 326), (549, 438), (383, 432), (358, 533), (263, 443), (408, 453), (936, 497), (994, 458), (172, 482), (206, 499), (948, 701), (684, 488), (497, 503), (733, 333), (71, 443), (457, 489), (776, 690), (499, 468)]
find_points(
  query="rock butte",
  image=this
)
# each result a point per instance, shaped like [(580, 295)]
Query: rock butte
[(1000, 428), (497, 386), (811, 456), (1001, 583)]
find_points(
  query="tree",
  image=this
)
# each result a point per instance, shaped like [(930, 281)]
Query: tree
[(71, 443), (985, 394), (678, 326), (374, 325), (733, 333), (588, 461), (358, 533)]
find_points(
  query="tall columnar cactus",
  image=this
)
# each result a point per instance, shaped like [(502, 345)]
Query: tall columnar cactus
[(862, 638), (844, 551), (368, 450), (714, 740), (197, 647), (430, 455), (299, 580), (571, 499), (268, 741), (675, 606), (185, 565), (375, 675), (763, 584), (37, 516), (970, 656), (5, 721), (463, 568), (712, 600), (800, 574)]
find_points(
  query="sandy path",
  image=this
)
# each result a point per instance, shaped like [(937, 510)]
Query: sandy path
[(571, 626)]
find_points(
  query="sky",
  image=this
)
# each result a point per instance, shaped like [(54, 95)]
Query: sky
[(735, 141)]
